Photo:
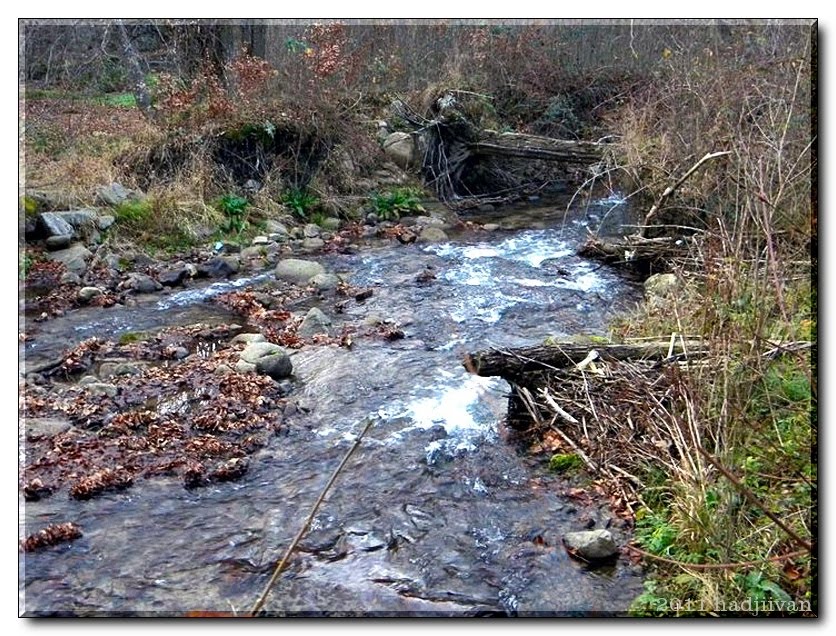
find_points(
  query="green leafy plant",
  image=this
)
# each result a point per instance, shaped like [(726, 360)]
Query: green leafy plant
[(390, 205), (300, 201), (235, 211)]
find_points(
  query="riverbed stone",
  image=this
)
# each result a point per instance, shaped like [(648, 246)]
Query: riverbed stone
[(79, 219), (174, 277), (312, 230), (110, 369), (74, 258), (220, 267), (277, 365), (275, 227), (400, 148), (254, 351), (115, 193), (297, 271), (105, 221), (258, 240), (54, 225), (37, 427), (325, 282), (432, 235), (591, 545), (490, 227), (58, 242), (248, 338), (86, 294), (242, 366), (102, 388), (142, 284), (315, 322), (313, 244)]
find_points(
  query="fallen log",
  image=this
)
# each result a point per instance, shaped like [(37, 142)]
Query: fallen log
[(468, 165), (645, 255), (512, 364)]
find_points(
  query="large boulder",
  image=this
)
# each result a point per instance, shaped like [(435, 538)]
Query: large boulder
[(256, 350), (591, 545), (54, 225), (297, 271), (74, 258), (400, 148), (266, 358)]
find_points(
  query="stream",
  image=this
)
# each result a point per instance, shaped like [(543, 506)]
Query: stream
[(439, 512)]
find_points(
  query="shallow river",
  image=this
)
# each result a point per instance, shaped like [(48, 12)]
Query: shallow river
[(438, 512)]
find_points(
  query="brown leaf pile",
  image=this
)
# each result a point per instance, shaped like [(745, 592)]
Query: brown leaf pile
[(51, 535)]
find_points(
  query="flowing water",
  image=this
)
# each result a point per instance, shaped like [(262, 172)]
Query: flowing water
[(438, 512)]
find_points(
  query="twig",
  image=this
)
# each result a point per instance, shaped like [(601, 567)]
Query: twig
[(592, 465), (671, 189), (260, 602)]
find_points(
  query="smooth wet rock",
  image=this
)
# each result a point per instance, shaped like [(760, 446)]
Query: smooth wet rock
[(254, 351), (490, 227), (432, 235), (325, 282), (277, 365), (248, 337), (86, 294), (591, 545), (74, 258), (297, 271), (315, 322), (58, 242)]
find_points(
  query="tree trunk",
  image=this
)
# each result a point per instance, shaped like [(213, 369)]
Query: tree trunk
[(140, 88)]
